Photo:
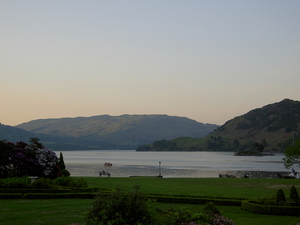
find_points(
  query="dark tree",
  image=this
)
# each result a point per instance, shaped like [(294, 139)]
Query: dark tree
[(61, 162)]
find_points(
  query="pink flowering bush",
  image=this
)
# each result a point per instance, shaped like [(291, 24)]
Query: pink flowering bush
[(220, 220)]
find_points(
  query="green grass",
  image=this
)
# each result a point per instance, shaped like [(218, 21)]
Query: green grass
[(46, 212), (213, 187), (72, 211)]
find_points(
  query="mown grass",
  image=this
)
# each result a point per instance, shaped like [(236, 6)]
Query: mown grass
[(46, 212), (213, 187), (72, 211)]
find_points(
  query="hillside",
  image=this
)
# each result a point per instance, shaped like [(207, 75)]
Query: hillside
[(116, 132), (14, 134), (271, 126)]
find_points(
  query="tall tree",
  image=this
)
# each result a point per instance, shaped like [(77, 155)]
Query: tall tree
[(61, 162)]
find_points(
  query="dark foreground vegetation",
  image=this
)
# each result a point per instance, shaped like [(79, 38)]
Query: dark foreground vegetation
[(146, 200)]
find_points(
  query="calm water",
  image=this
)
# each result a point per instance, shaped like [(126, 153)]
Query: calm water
[(173, 164)]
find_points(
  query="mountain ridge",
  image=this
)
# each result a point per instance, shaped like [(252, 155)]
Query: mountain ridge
[(118, 132)]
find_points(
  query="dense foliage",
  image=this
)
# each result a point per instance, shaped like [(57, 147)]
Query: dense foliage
[(22, 159), (292, 155), (280, 197), (294, 194), (120, 208)]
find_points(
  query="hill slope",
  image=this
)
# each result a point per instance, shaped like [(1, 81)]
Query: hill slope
[(271, 126), (118, 132), (14, 134)]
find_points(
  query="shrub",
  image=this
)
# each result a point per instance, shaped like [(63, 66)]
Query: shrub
[(253, 207), (64, 181), (280, 197), (211, 209), (81, 183), (294, 194), (16, 182), (70, 182), (43, 183), (120, 208), (220, 220), (266, 201), (65, 173)]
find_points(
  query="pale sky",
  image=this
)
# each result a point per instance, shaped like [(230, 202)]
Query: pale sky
[(206, 60)]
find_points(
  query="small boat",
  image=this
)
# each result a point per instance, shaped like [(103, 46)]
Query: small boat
[(107, 164)]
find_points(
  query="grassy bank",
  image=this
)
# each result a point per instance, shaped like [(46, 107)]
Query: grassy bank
[(72, 211)]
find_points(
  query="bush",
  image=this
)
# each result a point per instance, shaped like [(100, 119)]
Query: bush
[(294, 194), (253, 207), (220, 220), (65, 173), (16, 182), (211, 209), (120, 208), (266, 201), (43, 183), (280, 197), (70, 182)]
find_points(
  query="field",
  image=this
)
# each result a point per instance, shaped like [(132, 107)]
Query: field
[(72, 211)]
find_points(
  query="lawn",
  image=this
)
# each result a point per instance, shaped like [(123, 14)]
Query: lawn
[(213, 187), (72, 211)]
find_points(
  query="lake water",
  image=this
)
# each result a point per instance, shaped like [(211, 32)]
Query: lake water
[(127, 163)]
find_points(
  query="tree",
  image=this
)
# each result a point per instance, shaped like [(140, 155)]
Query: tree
[(292, 154), (61, 162), (258, 147), (5, 163), (235, 144), (21, 159)]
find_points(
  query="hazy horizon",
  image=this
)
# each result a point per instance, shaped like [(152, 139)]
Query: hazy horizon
[(209, 61)]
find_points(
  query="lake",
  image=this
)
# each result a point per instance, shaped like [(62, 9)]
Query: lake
[(127, 163)]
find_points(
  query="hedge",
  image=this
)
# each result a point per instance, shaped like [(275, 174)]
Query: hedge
[(59, 196), (11, 196), (194, 200), (23, 191), (255, 208)]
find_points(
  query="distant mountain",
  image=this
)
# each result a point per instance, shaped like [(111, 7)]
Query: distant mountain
[(114, 132), (14, 134), (271, 126)]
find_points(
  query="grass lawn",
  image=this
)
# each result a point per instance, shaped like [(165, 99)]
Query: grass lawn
[(46, 212), (72, 211), (214, 187)]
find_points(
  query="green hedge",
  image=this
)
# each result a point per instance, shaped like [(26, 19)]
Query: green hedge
[(59, 196), (194, 200), (24, 191), (11, 196), (253, 207), (62, 190)]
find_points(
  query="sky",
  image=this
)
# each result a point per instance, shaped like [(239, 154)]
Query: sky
[(209, 61)]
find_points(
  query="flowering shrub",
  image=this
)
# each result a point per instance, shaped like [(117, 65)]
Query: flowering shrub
[(22, 159), (220, 220)]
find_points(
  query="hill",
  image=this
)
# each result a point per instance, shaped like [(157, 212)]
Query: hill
[(271, 126), (115, 132), (14, 134)]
